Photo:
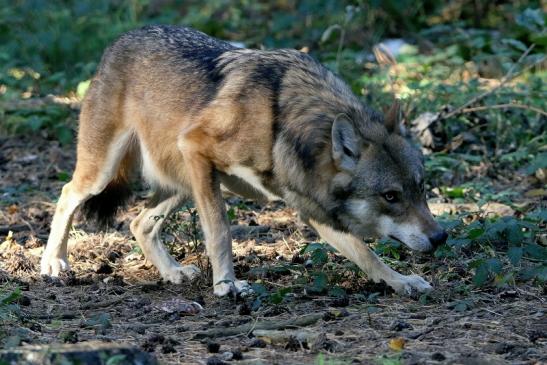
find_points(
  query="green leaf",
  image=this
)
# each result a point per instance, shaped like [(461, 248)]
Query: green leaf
[(531, 19), (481, 275), (538, 215), (475, 233), (258, 288), (494, 265), (457, 192), (458, 242), (320, 283), (118, 359), (11, 297), (450, 224), (337, 292), (63, 176), (537, 272), (35, 122), (461, 306), (231, 213), (64, 135), (310, 247), (539, 162), (536, 251), (515, 44), (277, 297), (82, 88), (515, 235), (515, 254)]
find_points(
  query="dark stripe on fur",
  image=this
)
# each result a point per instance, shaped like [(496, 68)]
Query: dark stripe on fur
[(102, 208), (270, 76), (309, 142)]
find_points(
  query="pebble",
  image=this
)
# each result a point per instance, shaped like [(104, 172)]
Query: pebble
[(237, 354), (213, 347), (437, 356), (257, 342), (399, 325)]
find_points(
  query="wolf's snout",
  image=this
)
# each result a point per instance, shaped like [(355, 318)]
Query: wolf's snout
[(438, 239)]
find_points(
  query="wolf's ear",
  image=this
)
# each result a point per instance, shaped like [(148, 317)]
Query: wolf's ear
[(345, 149), (393, 118)]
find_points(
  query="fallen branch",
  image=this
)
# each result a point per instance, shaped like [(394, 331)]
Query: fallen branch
[(57, 316), (264, 325), (14, 228), (510, 75), (503, 106), (277, 337), (103, 304)]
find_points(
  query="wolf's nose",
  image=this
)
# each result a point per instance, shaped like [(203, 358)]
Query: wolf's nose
[(438, 238)]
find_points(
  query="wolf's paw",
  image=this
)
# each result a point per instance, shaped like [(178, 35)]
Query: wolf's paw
[(235, 287), (410, 285), (52, 266), (178, 274)]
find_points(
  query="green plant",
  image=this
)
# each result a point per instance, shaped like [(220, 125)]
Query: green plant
[(504, 250), (9, 309)]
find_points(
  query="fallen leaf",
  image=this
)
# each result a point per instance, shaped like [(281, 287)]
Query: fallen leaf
[(397, 344), (536, 193), (493, 208), (12, 209), (180, 306)]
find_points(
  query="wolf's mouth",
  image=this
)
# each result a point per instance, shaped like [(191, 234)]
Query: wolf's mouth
[(396, 239)]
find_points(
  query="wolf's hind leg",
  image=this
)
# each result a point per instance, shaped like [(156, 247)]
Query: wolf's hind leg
[(55, 256), (95, 168), (147, 229), (357, 251)]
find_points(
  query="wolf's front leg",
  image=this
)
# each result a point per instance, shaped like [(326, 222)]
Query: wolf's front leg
[(356, 250), (216, 228)]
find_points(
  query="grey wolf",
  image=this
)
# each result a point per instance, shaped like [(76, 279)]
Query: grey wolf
[(197, 116)]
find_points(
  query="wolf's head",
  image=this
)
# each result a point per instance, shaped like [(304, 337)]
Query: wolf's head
[(381, 176)]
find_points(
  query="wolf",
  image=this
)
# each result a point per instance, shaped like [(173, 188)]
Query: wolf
[(196, 117)]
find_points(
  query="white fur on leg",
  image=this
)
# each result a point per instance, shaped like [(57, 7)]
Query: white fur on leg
[(356, 250), (410, 284), (54, 259), (177, 273), (147, 228), (235, 287)]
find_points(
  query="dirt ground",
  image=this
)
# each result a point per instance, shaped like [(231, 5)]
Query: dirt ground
[(114, 295)]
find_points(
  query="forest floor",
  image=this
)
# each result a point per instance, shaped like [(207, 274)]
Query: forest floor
[(112, 294)]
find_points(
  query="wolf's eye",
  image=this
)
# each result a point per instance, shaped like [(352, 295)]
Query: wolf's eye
[(391, 196)]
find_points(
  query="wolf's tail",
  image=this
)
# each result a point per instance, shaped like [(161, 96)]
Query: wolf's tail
[(103, 207)]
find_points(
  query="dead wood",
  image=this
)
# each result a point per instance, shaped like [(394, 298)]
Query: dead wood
[(262, 325)]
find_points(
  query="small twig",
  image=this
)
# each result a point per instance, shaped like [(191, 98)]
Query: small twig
[(264, 325), (253, 327), (340, 46), (503, 106), (491, 311), (58, 316), (106, 303), (508, 77)]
